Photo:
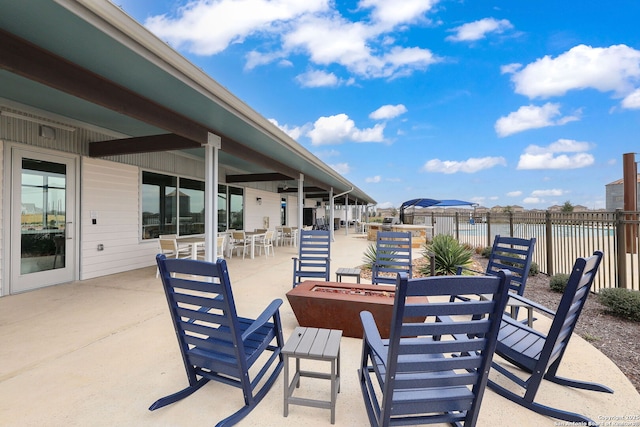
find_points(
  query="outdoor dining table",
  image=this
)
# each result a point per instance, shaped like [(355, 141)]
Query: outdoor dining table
[(253, 235), (194, 242)]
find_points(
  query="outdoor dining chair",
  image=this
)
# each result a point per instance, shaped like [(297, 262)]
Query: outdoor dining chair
[(432, 371), (239, 241), (168, 245), (266, 243), (215, 343)]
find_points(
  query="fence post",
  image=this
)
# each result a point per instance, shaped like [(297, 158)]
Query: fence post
[(510, 224), (621, 256), (488, 229), (549, 243), (457, 227)]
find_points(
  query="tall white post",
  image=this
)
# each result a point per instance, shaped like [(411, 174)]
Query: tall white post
[(300, 204), (214, 143)]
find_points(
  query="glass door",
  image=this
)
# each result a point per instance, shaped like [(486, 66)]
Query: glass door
[(42, 226)]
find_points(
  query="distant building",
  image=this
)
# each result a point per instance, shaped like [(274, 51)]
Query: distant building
[(615, 194)]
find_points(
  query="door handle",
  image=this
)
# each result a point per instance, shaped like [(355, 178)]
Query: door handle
[(69, 230)]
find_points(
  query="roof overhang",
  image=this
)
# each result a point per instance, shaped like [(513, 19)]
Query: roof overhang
[(88, 61)]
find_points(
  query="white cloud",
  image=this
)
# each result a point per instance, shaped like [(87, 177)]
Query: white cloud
[(477, 30), (373, 179), (206, 27), (632, 100), (291, 27), (388, 14), (331, 40), (532, 117), (317, 78), (537, 157), (610, 69), (542, 193), (340, 128), (341, 168), (388, 112), (532, 200), (471, 165), (510, 68), (517, 193), (294, 132), (255, 59)]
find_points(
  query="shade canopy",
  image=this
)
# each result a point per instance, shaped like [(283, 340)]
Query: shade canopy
[(426, 203)]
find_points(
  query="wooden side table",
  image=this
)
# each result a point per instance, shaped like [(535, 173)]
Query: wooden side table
[(313, 344), (348, 272)]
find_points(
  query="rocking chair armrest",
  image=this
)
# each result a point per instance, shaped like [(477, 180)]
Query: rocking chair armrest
[(268, 313), (372, 336), (528, 302)]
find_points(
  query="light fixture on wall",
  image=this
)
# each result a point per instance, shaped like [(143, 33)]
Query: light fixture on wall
[(47, 132), (259, 200)]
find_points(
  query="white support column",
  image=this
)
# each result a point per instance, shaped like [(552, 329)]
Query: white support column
[(214, 143), (331, 214), (300, 204), (346, 214)]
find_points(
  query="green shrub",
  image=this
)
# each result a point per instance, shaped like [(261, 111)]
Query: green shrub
[(621, 302), (449, 254), (558, 282), (486, 252), (534, 269)]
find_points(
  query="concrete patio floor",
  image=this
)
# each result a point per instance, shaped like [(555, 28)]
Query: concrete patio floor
[(100, 351)]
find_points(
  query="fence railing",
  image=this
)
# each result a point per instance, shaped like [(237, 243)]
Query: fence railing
[(560, 239)]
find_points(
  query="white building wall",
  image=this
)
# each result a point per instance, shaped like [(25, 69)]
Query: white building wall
[(265, 214), (110, 193)]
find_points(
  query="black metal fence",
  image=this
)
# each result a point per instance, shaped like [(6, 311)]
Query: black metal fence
[(560, 238)]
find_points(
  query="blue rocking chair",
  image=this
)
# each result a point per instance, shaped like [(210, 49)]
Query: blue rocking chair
[(215, 343), (540, 354), (419, 377), (393, 256), (314, 256)]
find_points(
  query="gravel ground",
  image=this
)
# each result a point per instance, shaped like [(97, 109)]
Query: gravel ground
[(617, 338)]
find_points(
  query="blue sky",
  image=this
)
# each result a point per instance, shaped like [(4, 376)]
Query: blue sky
[(529, 103)]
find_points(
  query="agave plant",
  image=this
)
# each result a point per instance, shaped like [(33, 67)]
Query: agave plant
[(448, 255), (371, 255)]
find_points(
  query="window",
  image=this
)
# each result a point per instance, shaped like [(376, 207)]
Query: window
[(159, 208), (191, 206), (222, 208), (174, 205), (283, 211), (236, 204), (171, 205)]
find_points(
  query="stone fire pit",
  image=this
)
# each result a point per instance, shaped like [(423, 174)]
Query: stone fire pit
[(333, 305)]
